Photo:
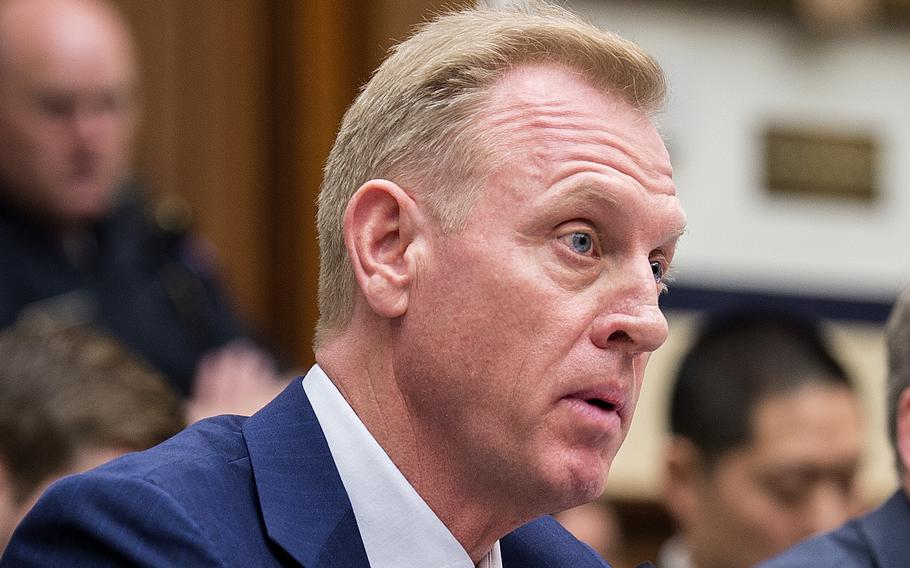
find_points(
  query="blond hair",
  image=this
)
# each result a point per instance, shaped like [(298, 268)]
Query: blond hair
[(415, 121)]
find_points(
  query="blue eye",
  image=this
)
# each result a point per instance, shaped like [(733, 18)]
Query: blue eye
[(657, 270), (582, 243)]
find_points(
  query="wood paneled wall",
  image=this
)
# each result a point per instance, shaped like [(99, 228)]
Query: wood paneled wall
[(242, 99), (205, 133)]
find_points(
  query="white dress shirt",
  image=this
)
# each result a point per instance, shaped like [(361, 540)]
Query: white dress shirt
[(398, 528), (674, 554)]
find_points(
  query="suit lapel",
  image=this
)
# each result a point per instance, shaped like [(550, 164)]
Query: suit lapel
[(305, 507)]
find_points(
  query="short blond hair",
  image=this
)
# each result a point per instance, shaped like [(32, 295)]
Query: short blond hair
[(415, 121)]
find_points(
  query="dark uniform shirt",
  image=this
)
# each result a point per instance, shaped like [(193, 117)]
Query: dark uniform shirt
[(125, 274)]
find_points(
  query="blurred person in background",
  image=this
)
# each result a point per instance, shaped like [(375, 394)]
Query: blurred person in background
[(765, 442), (880, 539), (71, 399), (597, 525), (78, 241)]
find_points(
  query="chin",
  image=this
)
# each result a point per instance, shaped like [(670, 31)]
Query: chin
[(591, 488), (582, 481), (88, 208)]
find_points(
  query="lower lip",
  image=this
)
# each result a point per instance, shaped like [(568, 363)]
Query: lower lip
[(597, 421)]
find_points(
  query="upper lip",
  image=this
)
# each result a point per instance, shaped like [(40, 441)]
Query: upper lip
[(602, 395)]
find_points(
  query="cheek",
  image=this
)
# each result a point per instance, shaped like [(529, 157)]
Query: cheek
[(737, 501), (45, 144), (496, 318), (15, 139), (503, 298), (763, 524), (29, 160)]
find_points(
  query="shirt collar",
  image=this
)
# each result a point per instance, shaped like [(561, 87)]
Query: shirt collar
[(674, 553), (398, 528)]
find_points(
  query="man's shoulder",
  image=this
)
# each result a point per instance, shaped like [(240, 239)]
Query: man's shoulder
[(843, 548), (204, 448), (544, 542), (208, 458), (879, 539), (194, 491)]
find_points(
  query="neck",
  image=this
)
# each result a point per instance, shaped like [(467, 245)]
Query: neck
[(37, 220), (473, 513)]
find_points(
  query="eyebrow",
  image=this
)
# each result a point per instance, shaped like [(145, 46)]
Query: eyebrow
[(590, 196), (583, 195), (679, 230)]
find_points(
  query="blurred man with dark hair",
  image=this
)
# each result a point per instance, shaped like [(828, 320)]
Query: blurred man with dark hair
[(880, 539), (71, 399), (765, 442)]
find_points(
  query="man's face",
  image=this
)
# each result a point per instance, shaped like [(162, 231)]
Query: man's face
[(796, 478), (67, 116), (527, 332)]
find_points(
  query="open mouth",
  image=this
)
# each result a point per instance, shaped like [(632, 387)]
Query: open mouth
[(601, 404)]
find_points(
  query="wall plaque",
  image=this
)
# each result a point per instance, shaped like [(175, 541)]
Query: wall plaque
[(820, 163)]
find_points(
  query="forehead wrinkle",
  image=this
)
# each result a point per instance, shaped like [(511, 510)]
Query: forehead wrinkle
[(550, 123)]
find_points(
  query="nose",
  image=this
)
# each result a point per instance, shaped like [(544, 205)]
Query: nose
[(630, 318), (88, 125), (90, 122)]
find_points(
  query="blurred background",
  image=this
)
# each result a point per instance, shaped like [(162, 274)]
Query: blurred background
[(788, 126)]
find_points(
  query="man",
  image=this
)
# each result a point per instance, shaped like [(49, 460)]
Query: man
[(880, 539), (766, 442), (496, 220), (77, 242), (71, 399)]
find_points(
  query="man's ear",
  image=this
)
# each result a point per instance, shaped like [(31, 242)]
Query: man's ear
[(381, 224), (903, 433), (682, 479)]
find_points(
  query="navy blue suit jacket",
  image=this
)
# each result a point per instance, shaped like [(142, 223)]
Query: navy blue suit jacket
[(880, 539), (231, 491)]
